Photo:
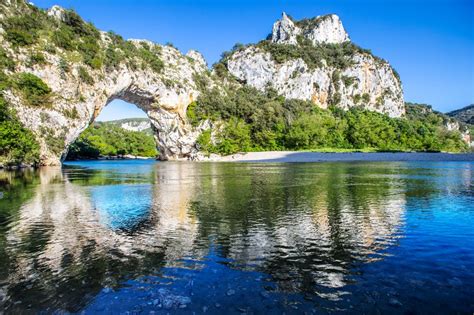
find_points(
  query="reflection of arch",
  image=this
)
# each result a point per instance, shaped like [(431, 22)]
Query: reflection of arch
[(78, 239)]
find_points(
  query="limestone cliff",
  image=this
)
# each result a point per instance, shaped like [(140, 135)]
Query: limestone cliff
[(313, 59), (158, 79)]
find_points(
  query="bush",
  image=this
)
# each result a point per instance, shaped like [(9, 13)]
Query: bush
[(64, 66), (78, 26), (335, 55), (113, 58), (22, 30), (5, 61), (90, 51), (85, 76), (35, 92), (63, 37), (150, 58), (204, 142), (17, 144), (71, 113), (191, 114), (37, 59)]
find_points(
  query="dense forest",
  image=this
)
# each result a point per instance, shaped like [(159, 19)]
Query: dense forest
[(257, 121), (107, 139)]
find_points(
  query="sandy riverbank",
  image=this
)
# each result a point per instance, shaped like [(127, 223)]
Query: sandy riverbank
[(291, 156)]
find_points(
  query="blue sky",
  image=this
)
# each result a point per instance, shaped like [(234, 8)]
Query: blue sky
[(430, 43)]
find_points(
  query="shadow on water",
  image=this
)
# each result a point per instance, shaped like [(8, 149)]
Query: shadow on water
[(241, 237)]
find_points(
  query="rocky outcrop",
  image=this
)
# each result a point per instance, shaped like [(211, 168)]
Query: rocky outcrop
[(326, 29), (80, 93), (133, 124), (368, 81)]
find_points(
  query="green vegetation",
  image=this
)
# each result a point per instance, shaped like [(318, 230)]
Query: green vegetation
[(34, 91), (335, 55), (256, 121), (85, 76), (107, 139), (29, 26), (23, 30), (17, 144), (55, 142), (37, 59)]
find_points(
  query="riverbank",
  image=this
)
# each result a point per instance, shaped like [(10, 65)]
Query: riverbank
[(298, 156)]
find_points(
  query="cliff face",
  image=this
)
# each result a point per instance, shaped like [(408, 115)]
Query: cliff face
[(158, 79), (298, 61), (133, 124)]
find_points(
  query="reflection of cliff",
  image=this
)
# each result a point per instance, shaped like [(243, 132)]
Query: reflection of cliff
[(305, 230), (76, 236)]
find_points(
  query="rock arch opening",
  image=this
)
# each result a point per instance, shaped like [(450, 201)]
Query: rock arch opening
[(121, 130)]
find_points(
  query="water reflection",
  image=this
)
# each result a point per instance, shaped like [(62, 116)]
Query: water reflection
[(206, 236)]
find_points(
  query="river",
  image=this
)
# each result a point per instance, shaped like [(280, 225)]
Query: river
[(238, 238)]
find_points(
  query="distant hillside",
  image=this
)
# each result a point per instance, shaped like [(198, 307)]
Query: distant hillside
[(132, 124), (110, 139), (466, 114)]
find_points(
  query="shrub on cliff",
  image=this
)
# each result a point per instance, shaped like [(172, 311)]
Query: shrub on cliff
[(17, 144), (35, 92), (22, 30), (335, 55)]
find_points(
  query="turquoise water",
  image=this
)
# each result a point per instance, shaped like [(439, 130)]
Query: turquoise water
[(235, 238)]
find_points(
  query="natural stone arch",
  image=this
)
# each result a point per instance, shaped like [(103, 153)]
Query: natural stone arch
[(77, 82), (163, 96)]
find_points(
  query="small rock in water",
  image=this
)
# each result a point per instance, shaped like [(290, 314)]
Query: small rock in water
[(230, 292), (217, 305), (265, 294), (394, 302)]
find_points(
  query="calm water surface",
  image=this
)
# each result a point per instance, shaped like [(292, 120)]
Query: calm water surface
[(143, 236)]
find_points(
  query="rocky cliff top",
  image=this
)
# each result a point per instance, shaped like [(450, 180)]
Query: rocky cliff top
[(327, 29), (314, 59)]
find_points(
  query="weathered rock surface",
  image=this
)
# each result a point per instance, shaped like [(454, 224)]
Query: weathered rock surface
[(322, 29), (369, 81), (133, 124), (163, 96)]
